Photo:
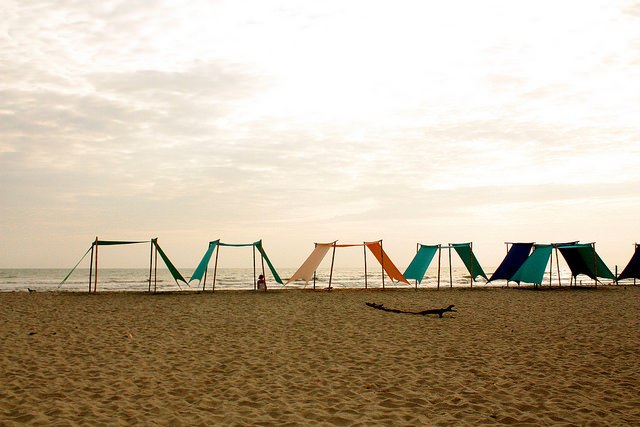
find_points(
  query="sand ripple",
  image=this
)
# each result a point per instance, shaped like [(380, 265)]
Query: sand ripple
[(508, 356)]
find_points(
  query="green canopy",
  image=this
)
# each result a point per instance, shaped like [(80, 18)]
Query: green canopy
[(100, 243), (174, 271), (276, 277), (117, 242), (532, 270), (467, 257), (420, 263), (583, 259)]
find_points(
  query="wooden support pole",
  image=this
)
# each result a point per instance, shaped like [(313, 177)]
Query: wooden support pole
[(450, 269), (333, 257), (262, 258), (95, 278), (439, 256), (507, 245), (206, 270), (255, 284), (150, 262), (155, 269), (91, 265), (417, 250), (204, 281), (364, 250), (471, 262), (550, 267), (558, 267), (215, 269), (382, 262), (595, 264), (315, 245)]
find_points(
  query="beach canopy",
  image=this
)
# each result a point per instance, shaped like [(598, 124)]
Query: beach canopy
[(94, 259), (532, 270), (469, 259), (98, 242), (172, 269), (202, 266), (517, 255), (420, 263), (632, 270), (388, 266), (583, 259), (305, 271), (118, 242)]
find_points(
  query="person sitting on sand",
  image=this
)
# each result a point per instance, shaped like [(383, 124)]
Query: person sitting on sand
[(262, 284)]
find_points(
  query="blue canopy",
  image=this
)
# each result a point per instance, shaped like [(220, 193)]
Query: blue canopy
[(632, 270), (514, 259)]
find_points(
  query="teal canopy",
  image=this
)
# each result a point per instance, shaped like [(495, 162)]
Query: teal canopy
[(469, 259), (172, 269), (420, 263), (532, 270), (202, 266)]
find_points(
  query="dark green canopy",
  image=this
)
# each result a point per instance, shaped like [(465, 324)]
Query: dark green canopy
[(469, 259), (583, 259), (117, 242), (101, 243)]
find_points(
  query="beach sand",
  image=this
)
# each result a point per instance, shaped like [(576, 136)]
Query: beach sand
[(561, 356)]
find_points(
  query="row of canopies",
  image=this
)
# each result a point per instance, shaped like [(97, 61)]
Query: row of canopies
[(523, 263), (527, 262)]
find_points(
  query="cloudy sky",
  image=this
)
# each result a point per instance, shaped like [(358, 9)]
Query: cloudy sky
[(301, 121)]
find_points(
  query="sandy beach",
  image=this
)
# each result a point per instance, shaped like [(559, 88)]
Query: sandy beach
[(545, 357)]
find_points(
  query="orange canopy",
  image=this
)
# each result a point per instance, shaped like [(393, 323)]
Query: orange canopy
[(305, 272), (383, 259)]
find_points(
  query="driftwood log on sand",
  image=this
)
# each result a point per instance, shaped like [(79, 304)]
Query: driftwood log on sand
[(437, 311)]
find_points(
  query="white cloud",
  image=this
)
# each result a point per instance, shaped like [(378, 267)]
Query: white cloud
[(291, 119)]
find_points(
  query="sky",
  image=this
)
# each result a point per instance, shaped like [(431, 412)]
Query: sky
[(304, 121)]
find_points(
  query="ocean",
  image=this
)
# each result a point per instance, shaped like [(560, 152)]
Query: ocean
[(137, 279)]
